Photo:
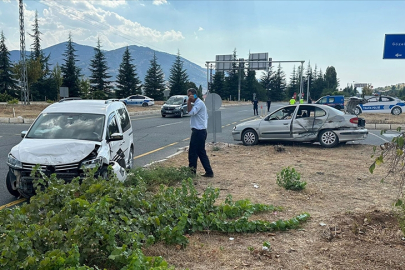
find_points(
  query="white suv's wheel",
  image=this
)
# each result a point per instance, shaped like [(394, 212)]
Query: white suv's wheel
[(130, 164)]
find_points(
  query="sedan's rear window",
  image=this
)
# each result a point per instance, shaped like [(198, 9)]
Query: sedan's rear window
[(68, 126)]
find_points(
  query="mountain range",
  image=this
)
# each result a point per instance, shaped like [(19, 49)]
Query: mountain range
[(141, 59)]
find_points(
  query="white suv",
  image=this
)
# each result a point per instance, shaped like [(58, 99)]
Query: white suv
[(69, 137)]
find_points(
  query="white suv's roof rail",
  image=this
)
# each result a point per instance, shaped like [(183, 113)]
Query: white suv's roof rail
[(72, 98)]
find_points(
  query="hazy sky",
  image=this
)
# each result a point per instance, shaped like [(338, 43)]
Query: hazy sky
[(348, 35)]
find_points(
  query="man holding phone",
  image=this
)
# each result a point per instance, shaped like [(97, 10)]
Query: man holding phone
[(198, 123)]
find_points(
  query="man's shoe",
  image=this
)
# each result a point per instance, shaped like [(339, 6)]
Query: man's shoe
[(207, 175)]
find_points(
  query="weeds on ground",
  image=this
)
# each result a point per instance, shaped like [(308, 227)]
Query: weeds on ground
[(289, 178), (93, 223)]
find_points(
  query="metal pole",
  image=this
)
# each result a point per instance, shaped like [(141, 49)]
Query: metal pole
[(24, 80), (301, 81), (208, 83), (239, 82), (308, 89)]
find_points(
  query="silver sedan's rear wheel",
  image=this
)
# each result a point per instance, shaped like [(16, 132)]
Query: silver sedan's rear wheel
[(396, 111), (249, 137), (328, 138)]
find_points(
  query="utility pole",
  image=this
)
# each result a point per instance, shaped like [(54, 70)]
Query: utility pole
[(24, 79)]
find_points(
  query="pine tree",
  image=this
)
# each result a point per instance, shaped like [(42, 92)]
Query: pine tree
[(70, 72), (232, 80), (293, 86), (308, 81), (36, 51), (279, 88), (267, 82), (218, 84), (154, 80), (8, 85), (178, 78), (128, 82), (99, 83)]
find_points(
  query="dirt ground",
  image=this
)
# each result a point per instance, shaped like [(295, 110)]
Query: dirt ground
[(352, 224)]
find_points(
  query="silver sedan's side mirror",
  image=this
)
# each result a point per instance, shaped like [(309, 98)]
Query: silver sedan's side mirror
[(23, 133)]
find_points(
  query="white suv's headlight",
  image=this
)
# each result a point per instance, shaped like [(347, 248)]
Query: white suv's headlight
[(92, 163), (13, 162)]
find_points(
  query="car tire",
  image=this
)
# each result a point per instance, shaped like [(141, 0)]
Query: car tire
[(130, 163), (249, 137), (163, 115), (357, 111), (328, 138), (11, 187), (338, 107), (396, 111), (144, 104), (181, 114)]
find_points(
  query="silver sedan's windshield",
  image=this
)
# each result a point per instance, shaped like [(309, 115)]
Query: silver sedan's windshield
[(174, 101), (68, 126)]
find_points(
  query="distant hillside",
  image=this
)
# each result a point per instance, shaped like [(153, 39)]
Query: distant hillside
[(141, 58)]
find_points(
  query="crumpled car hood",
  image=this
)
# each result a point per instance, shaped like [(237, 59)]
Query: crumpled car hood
[(52, 152)]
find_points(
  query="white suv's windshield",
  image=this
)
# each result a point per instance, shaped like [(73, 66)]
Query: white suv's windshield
[(175, 101), (68, 126)]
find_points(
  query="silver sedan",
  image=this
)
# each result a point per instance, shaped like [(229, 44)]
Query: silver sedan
[(303, 123)]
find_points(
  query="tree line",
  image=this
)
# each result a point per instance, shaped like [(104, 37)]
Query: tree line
[(44, 82)]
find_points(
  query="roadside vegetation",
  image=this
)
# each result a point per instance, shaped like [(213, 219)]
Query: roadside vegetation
[(105, 224)]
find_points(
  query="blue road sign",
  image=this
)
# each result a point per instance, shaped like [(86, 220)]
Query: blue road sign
[(394, 46)]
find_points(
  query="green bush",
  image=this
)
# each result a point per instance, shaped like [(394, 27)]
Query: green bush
[(4, 97), (100, 224), (13, 101), (289, 178)]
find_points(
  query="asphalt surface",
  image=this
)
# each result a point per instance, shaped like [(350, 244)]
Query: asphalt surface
[(156, 138)]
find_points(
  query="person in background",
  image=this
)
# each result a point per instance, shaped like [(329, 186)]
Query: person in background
[(301, 100), (268, 104), (292, 101), (255, 107), (309, 100), (198, 124)]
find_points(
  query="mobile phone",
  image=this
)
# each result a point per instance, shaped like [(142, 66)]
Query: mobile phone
[(195, 96)]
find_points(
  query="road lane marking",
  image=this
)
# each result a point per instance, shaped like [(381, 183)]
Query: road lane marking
[(186, 139), (378, 137), (12, 203), (153, 151), (170, 124)]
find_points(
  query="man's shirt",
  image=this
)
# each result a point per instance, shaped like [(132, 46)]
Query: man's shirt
[(199, 115)]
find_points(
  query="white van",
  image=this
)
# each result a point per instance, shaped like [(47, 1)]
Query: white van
[(69, 137)]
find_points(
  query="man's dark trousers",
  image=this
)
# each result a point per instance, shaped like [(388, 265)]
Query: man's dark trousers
[(197, 150)]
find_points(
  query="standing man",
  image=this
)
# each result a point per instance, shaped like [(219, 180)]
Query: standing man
[(268, 104), (292, 101), (198, 123), (255, 107)]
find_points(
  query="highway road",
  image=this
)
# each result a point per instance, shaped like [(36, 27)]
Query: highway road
[(155, 138)]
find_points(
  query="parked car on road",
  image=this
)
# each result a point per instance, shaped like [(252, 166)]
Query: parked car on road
[(138, 100), (69, 137), (337, 102), (175, 105), (303, 123), (381, 104)]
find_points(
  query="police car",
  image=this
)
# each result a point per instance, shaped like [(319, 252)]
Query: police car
[(381, 104)]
